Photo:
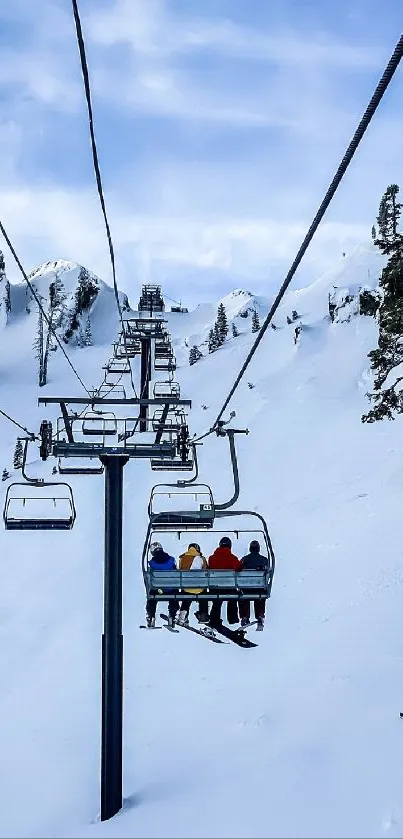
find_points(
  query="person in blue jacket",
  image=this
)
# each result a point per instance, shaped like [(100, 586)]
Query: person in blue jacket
[(160, 561), (253, 561)]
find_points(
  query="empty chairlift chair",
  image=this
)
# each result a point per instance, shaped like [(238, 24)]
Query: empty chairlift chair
[(80, 466), (166, 389), (42, 506), (192, 508), (99, 424)]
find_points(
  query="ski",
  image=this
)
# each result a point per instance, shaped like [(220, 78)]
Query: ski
[(201, 632), (143, 626), (235, 635)]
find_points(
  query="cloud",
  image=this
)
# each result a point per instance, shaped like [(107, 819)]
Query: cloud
[(217, 140), (150, 28), (49, 223)]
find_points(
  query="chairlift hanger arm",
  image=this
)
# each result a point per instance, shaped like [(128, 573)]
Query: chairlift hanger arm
[(192, 480), (162, 421), (230, 433), (35, 481)]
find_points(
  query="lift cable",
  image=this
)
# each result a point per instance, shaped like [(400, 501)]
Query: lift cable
[(38, 301), (29, 433), (381, 88), (97, 171)]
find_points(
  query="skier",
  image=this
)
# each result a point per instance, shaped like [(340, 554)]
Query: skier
[(222, 560), (193, 560), (160, 561), (253, 561)]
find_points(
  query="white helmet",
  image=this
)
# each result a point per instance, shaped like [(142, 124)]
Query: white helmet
[(155, 546)]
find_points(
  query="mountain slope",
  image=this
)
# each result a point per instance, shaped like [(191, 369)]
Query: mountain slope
[(298, 737)]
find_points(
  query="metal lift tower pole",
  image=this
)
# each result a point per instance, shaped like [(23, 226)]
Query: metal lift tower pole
[(145, 375), (112, 642)]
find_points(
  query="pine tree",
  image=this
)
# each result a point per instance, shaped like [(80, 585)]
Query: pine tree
[(389, 353), (255, 321), (217, 335), (80, 337), (18, 454), (389, 239), (5, 286), (195, 355), (39, 350), (373, 233), (88, 333), (222, 323), (5, 474), (235, 331), (87, 290), (212, 341)]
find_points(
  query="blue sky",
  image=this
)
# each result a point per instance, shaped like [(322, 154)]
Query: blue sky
[(219, 125)]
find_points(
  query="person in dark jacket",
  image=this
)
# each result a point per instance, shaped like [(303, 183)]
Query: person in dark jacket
[(222, 560), (160, 561), (253, 561)]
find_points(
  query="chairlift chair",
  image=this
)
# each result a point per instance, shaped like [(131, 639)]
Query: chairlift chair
[(99, 424), (26, 507), (197, 515), (78, 466), (165, 389), (113, 390), (168, 363), (211, 584), (117, 366)]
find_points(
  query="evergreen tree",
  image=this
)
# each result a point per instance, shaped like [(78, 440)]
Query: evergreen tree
[(212, 341), (389, 239), (222, 323), (5, 474), (80, 337), (88, 333), (5, 286), (388, 355), (373, 233), (39, 350), (18, 453), (87, 290), (217, 335), (195, 355), (235, 331), (255, 321)]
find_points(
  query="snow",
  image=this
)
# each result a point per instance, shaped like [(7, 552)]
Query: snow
[(298, 737)]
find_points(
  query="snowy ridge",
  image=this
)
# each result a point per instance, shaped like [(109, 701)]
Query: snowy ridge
[(299, 737)]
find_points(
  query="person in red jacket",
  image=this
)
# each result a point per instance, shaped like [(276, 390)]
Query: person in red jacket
[(221, 560)]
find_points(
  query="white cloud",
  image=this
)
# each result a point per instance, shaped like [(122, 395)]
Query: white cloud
[(152, 31), (53, 223)]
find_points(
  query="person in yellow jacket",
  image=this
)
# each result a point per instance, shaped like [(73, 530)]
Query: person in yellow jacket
[(193, 560)]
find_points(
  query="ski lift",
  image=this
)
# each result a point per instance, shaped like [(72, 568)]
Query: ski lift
[(113, 390), (168, 363), (117, 366), (196, 510), (131, 349), (80, 466), (99, 424), (211, 584), (165, 389), (161, 464), (173, 420), (39, 506)]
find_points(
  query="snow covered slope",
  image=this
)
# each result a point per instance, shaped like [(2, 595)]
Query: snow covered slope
[(299, 737)]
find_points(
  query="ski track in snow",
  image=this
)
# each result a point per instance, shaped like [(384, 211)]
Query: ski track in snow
[(299, 737)]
